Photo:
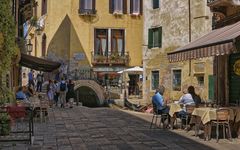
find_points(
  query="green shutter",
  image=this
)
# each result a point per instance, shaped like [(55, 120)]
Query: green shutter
[(211, 87), (150, 38), (160, 37)]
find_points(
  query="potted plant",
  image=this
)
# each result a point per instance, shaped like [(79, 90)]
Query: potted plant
[(5, 126)]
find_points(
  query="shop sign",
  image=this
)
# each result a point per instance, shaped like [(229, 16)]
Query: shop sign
[(236, 67), (79, 56)]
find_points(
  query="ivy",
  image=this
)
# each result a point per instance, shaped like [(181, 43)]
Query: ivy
[(8, 47)]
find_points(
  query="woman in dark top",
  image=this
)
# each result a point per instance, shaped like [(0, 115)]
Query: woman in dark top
[(195, 97), (70, 93)]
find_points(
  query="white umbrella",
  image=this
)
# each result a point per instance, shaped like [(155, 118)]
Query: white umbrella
[(136, 69)]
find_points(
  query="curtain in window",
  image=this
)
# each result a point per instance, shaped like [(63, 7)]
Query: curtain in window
[(97, 51), (88, 4), (120, 46), (136, 7), (104, 46), (118, 6)]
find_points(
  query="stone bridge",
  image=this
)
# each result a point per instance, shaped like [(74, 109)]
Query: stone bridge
[(98, 89)]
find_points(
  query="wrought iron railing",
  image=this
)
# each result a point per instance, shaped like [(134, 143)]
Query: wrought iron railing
[(83, 11), (111, 59), (226, 21)]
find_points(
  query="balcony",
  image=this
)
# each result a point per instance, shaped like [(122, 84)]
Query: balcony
[(226, 21), (111, 59), (216, 3), (87, 12)]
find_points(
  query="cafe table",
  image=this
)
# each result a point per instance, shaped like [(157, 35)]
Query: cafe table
[(205, 115), (173, 109)]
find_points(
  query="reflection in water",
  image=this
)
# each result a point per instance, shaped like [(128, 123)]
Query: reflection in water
[(87, 97)]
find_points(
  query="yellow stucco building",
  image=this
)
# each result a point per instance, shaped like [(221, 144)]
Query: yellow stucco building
[(101, 35)]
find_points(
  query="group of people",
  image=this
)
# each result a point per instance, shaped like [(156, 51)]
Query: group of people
[(189, 98), (61, 92), (32, 81)]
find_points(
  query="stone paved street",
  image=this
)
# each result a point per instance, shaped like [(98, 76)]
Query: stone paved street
[(109, 129)]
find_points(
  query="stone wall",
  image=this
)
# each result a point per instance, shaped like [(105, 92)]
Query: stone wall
[(173, 16)]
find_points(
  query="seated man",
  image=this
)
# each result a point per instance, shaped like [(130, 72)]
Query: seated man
[(20, 95), (158, 101)]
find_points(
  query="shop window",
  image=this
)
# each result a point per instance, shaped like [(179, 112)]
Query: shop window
[(155, 4), (101, 42), (155, 80), (155, 37), (176, 80)]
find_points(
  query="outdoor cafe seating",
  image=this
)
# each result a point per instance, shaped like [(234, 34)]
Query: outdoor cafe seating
[(210, 117), (156, 116)]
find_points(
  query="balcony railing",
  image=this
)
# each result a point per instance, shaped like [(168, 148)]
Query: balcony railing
[(83, 11), (226, 21), (110, 59)]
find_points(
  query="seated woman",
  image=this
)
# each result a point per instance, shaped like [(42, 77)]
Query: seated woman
[(186, 99)]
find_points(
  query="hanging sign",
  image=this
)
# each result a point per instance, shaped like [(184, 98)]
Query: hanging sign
[(236, 67)]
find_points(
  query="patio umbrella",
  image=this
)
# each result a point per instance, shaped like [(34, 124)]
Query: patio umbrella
[(136, 69)]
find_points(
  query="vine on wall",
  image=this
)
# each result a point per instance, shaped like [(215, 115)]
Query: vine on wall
[(8, 47)]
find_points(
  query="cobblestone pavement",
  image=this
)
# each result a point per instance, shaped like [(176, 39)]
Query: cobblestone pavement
[(83, 128)]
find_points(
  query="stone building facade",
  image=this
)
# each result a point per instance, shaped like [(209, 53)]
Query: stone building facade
[(166, 27)]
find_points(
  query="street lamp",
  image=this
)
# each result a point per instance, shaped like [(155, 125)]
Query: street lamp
[(29, 47)]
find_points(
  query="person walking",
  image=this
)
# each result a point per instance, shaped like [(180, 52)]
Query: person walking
[(31, 78), (62, 92), (50, 93), (39, 82), (70, 94), (56, 92)]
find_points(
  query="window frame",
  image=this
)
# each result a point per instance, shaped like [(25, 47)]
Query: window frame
[(155, 6), (151, 83), (151, 37), (95, 44), (172, 74), (44, 7), (118, 37), (132, 7), (112, 5)]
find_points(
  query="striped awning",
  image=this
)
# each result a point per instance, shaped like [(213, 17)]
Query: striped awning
[(217, 42)]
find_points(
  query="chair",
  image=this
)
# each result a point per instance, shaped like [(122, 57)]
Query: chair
[(157, 115), (222, 119), (188, 115)]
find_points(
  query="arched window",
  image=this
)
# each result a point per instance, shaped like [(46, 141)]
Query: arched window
[(44, 44), (44, 7)]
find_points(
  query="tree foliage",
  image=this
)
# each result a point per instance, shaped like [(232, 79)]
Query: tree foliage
[(8, 46)]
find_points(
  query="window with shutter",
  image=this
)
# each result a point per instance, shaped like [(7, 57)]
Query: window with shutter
[(116, 6), (87, 7), (44, 7), (155, 37), (135, 7), (155, 4)]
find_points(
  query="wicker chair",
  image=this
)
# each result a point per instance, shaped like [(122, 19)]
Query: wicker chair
[(157, 115), (223, 116)]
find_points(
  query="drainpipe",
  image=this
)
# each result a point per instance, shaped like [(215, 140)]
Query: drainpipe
[(189, 34)]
